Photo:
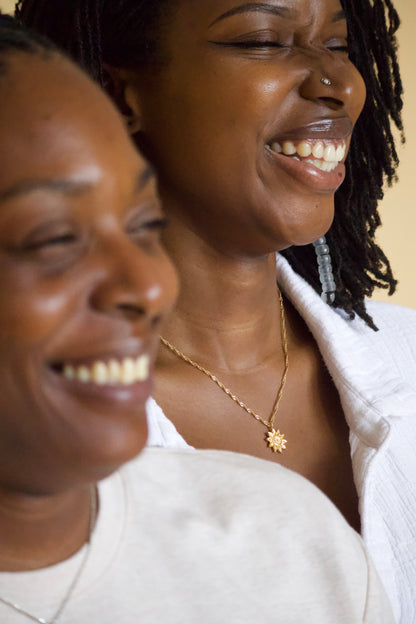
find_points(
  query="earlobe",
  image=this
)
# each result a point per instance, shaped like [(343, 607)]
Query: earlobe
[(120, 86), (134, 119)]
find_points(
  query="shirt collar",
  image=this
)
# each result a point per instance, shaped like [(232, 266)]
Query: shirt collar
[(371, 391)]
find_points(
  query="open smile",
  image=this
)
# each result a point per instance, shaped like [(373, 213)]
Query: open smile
[(322, 144), (120, 372), (324, 155), (314, 154)]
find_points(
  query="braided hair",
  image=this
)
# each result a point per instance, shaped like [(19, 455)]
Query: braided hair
[(129, 33)]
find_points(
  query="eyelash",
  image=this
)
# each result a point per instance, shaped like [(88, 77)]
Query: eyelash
[(250, 44), (50, 242), (154, 225), (160, 223), (339, 49), (256, 44)]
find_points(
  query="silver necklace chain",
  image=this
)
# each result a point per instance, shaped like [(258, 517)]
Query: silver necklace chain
[(74, 582)]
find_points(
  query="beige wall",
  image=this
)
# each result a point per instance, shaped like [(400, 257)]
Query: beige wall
[(398, 235), (7, 5)]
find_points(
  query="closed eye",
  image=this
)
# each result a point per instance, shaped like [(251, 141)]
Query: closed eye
[(53, 241), (250, 44), (344, 49), (153, 225)]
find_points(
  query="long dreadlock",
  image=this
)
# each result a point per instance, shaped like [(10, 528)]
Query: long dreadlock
[(128, 33)]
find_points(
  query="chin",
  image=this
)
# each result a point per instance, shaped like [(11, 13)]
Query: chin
[(60, 470), (308, 233), (111, 453)]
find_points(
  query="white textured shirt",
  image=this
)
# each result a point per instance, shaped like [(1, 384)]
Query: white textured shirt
[(375, 375)]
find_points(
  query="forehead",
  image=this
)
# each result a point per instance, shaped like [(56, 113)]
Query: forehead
[(43, 90), (53, 118)]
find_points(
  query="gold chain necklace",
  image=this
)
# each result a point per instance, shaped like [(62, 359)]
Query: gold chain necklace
[(74, 582), (275, 440)]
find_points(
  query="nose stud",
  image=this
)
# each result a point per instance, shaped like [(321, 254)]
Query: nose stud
[(326, 81)]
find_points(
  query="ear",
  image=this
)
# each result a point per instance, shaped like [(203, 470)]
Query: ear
[(121, 85)]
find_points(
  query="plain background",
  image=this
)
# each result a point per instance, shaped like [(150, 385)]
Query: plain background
[(398, 234)]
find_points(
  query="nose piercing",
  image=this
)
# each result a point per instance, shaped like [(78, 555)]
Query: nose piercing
[(326, 81)]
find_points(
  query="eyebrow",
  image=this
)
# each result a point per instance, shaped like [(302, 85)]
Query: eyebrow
[(257, 7), (274, 9), (54, 185), (64, 186)]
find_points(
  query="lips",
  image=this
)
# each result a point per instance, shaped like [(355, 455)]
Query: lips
[(314, 154), (339, 129)]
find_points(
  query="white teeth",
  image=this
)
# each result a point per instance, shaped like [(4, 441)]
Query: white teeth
[(82, 373), (126, 372), (304, 149), (327, 156), (276, 147), (142, 368), (324, 166), (318, 150), (330, 153), (340, 152), (99, 373), (69, 372), (288, 148), (113, 368)]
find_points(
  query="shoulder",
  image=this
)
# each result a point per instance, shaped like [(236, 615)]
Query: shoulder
[(224, 515), (395, 340), (237, 485), (390, 317)]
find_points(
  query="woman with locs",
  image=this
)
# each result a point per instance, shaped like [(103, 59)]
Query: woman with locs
[(247, 112)]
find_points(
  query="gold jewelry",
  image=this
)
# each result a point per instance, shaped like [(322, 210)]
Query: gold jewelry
[(276, 440), (74, 582)]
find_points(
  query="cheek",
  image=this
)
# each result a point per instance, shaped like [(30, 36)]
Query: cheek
[(212, 108), (359, 94), (169, 284), (31, 312)]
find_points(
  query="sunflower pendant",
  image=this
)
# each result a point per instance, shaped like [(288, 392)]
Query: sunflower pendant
[(276, 441)]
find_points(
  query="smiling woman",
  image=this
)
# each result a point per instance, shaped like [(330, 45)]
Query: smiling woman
[(63, 220), (270, 126), (84, 281)]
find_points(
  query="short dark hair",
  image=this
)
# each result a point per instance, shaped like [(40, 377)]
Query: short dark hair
[(128, 32)]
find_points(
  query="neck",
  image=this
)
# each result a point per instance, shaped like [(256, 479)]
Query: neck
[(39, 531), (228, 312)]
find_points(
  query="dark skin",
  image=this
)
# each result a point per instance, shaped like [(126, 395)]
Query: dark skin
[(238, 78), (84, 279)]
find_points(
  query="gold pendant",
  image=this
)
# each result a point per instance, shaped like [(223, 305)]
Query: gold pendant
[(276, 441)]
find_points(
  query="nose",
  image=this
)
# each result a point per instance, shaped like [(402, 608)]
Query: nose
[(133, 283), (319, 86), (333, 82)]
